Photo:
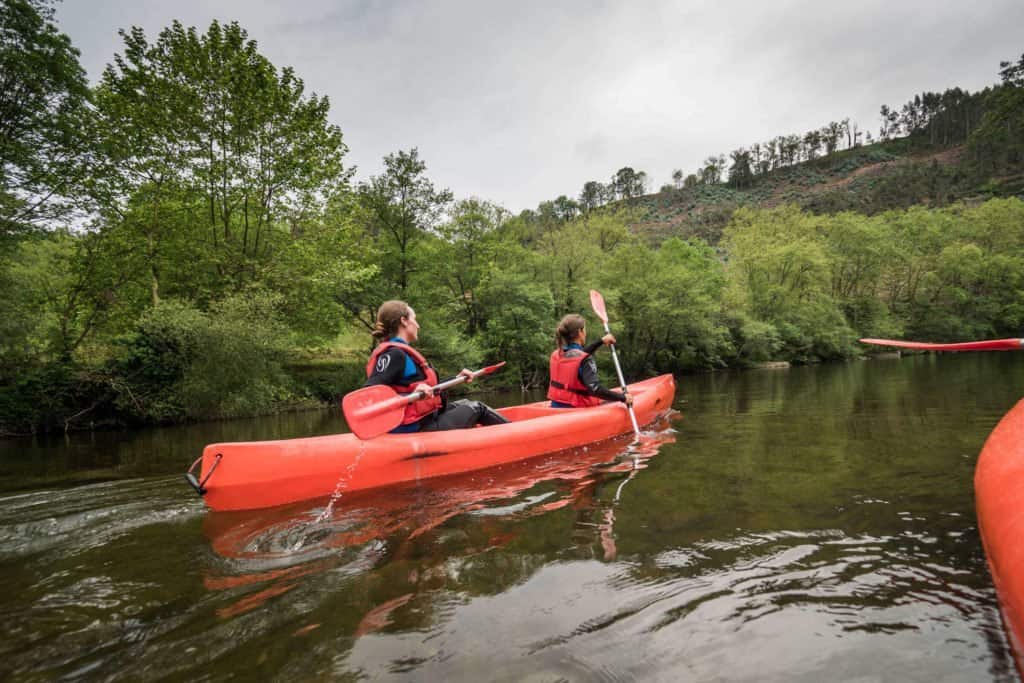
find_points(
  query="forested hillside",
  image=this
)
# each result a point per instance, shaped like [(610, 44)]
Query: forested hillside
[(184, 239), (938, 148)]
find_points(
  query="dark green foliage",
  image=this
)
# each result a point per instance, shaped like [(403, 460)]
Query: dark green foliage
[(520, 326), (182, 362), (54, 396), (998, 143)]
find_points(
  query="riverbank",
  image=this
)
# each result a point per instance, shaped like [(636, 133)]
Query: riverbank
[(314, 382)]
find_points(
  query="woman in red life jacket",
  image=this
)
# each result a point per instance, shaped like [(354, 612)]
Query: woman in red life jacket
[(396, 363), (574, 382)]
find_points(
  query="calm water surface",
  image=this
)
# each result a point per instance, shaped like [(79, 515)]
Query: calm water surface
[(805, 524)]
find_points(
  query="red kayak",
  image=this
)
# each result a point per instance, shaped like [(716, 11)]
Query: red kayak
[(999, 494), (259, 474)]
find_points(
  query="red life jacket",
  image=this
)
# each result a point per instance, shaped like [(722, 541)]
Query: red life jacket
[(565, 385), (416, 410)]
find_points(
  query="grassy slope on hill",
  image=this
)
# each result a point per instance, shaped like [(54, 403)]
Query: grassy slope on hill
[(867, 179)]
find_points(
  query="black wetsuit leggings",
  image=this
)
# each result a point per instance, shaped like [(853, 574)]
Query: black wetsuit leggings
[(460, 415)]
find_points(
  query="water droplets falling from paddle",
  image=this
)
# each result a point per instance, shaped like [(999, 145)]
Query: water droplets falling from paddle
[(339, 488)]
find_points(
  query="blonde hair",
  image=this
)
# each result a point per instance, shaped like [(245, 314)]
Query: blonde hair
[(568, 328), (389, 319)]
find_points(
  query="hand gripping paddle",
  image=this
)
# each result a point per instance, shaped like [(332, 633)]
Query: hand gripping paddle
[(597, 303)]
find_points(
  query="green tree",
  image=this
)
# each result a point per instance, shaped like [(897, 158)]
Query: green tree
[(520, 325), (999, 139), (400, 206), (779, 267), (610, 229), (206, 136), (570, 260), (859, 249), (461, 259), (324, 271), (63, 288), (740, 173), (628, 183), (44, 118), (591, 196), (711, 173), (667, 305), (565, 208)]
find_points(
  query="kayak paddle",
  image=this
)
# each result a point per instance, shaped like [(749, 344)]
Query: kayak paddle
[(375, 410), (597, 303), (988, 345)]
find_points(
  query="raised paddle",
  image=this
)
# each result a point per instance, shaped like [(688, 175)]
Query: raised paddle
[(597, 303), (989, 345), (372, 411)]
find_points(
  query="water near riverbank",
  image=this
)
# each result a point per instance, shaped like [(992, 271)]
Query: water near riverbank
[(811, 523)]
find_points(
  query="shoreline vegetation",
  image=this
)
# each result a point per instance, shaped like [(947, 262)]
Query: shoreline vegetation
[(316, 404), (182, 240)]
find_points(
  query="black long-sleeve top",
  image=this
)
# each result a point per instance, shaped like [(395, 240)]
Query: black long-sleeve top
[(588, 374)]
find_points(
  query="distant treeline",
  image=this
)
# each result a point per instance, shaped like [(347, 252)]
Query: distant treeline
[(183, 240), (990, 120)]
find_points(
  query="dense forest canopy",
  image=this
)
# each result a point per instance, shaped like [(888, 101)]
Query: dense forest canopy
[(185, 240)]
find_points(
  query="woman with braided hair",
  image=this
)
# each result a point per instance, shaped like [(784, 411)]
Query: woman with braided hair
[(396, 363)]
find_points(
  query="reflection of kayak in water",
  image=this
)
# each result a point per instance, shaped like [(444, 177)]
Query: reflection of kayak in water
[(265, 553), (242, 476), (362, 516)]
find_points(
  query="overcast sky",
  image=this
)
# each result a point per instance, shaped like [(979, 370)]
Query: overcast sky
[(519, 102)]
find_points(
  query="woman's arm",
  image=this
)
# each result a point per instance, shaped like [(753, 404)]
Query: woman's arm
[(588, 376)]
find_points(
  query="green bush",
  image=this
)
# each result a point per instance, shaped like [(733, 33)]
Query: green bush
[(758, 341), (183, 362), (237, 368)]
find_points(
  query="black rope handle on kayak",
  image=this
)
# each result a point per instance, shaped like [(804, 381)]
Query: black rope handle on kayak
[(200, 486)]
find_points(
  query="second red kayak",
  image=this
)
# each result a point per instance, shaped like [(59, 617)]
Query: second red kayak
[(999, 493), (259, 474)]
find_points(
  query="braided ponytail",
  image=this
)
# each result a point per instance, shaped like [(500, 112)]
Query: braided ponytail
[(389, 319), (568, 328)]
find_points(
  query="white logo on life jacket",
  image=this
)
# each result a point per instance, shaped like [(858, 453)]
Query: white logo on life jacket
[(383, 362)]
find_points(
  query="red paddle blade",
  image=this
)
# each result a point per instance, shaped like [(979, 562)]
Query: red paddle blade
[(372, 411), (597, 303), (988, 345), (491, 368)]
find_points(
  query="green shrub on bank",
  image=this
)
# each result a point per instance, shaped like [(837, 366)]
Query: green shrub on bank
[(184, 362)]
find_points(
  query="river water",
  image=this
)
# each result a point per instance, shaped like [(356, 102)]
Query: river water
[(808, 524)]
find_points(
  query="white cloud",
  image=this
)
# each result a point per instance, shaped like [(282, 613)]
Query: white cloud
[(521, 102)]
